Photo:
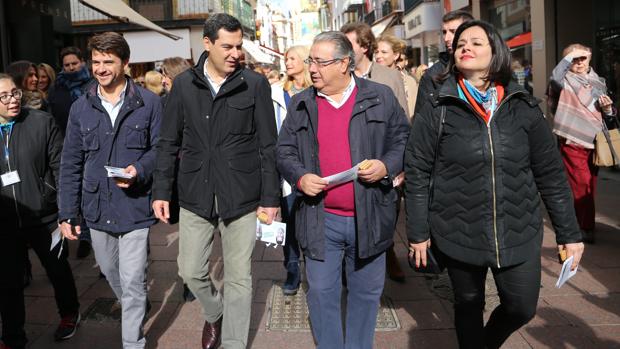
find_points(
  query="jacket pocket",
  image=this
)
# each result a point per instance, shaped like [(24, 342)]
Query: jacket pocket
[(190, 183), (90, 138), (90, 200), (245, 183), (240, 115), (136, 136), (383, 214)]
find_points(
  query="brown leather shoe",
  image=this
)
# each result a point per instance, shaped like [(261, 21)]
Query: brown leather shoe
[(212, 334), (394, 270)]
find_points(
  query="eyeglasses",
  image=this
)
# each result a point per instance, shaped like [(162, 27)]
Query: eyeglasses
[(321, 64), (6, 99)]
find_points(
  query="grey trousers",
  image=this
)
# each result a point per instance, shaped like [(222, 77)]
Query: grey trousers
[(195, 244), (122, 259)]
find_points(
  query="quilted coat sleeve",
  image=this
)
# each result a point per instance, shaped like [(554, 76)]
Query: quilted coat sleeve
[(71, 168), (419, 162), (551, 180), (288, 152)]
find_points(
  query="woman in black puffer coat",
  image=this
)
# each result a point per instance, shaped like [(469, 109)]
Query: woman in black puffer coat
[(480, 158)]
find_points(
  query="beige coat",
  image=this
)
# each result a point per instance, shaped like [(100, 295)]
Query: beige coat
[(411, 91), (394, 81)]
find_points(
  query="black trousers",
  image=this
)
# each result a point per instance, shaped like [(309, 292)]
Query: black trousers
[(12, 246), (518, 287)]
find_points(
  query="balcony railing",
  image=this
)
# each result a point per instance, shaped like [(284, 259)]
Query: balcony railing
[(154, 10)]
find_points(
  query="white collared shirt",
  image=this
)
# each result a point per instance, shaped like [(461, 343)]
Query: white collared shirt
[(112, 109), (367, 73), (215, 86), (345, 95)]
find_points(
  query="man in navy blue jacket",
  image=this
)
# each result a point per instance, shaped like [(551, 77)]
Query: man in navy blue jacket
[(115, 123)]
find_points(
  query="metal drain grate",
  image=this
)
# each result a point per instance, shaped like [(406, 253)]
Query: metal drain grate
[(104, 310), (290, 313)]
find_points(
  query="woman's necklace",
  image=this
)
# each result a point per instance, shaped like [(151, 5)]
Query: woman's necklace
[(294, 90)]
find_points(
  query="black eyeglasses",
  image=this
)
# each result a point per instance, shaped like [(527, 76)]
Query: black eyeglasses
[(321, 64), (6, 99)]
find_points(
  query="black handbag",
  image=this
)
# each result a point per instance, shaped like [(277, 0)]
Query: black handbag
[(433, 266)]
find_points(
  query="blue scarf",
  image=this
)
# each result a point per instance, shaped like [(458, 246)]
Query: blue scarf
[(487, 100), (74, 81)]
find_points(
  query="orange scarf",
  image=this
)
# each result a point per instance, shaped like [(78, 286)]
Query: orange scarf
[(485, 115)]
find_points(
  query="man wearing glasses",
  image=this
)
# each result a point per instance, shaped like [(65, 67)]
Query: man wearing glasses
[(340, 123)]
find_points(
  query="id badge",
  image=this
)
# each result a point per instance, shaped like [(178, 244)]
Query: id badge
[(10, 178)]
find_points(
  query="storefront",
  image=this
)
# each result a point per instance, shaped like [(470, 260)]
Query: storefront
[(423, 31)]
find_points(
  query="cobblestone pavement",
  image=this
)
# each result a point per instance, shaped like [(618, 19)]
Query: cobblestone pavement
[(584, 313)]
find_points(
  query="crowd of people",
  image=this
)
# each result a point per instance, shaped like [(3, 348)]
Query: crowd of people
[(98, 157)]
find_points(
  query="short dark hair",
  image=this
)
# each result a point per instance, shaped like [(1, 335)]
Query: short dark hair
[(71, 50), (365, 37), (110, 42), (499, 68), (458, 14), (19, 71), (220, 21)]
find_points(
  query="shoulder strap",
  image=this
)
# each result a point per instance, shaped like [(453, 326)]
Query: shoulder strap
[(442, 120)]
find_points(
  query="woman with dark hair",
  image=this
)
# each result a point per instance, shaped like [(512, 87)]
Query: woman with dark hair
[(480, 158), (26, 77), (31, 144)]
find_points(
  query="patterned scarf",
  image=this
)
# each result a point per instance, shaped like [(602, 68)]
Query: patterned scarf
[(74, 81), (577, 118), (485, 103)]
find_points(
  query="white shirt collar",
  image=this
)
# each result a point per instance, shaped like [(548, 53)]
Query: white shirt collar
[(345, 94), (214, 85)]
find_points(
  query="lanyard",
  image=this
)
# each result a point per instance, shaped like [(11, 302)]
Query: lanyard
[(8, 128)]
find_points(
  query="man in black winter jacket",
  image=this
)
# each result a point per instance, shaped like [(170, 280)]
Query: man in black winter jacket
[(219, 121), (450, 22)]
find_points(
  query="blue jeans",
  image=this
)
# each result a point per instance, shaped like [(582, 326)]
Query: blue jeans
[(365, 280), (291, 247)]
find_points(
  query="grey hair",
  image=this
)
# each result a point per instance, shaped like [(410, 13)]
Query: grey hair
[(342, 45)]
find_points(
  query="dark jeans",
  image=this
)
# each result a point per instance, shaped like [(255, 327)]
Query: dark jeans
[(291, 247), (518, 287), (58, 270)]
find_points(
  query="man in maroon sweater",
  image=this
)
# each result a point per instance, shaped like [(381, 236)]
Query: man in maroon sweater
[(330, 128)]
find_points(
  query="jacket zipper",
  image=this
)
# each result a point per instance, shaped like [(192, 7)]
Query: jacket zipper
[(492, 172), (8, 163)]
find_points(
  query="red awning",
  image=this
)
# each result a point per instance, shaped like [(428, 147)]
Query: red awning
[(520, 40)]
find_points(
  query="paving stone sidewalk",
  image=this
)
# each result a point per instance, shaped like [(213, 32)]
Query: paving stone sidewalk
[(584, 313)]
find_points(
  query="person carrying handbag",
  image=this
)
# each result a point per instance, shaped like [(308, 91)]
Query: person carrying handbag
[(582, 106)]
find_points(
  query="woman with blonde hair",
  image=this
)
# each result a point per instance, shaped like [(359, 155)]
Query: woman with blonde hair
[(47, 76), (153, 81), (390, 51), (297, 79), (419, 71), (581, 106)]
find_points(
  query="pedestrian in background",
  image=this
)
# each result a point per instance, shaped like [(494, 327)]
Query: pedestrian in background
[(343, 120), (170, 68), (115, 123), (31, 144), (154, 82), (390, 53), (297, 79), (46, 78), (26, 77), (365, 46), (219, 116), (428, 84), (580, 102), (480, 158)]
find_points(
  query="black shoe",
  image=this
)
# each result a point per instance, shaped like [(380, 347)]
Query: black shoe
[(68, 326), (293, 279), (188, 296), (83, 249)]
